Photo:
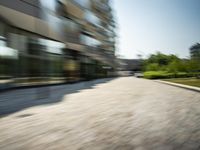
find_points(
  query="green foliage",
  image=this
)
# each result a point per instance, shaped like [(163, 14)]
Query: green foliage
[(177, 66), (152, 67), (156, 75), (193, 65), (170, 63), (166, 75), (161, 66), (161, 59)]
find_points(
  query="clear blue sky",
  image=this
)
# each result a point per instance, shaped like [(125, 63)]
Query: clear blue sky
[(147, 26)]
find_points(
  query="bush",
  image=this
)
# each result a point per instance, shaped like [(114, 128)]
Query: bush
[(157, 75), (167, 75)]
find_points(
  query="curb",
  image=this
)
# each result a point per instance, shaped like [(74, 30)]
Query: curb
[(196, 89)]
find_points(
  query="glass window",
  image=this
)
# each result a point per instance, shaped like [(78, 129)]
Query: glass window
[(32, 2), (6, 52), (90, 17), (2, 41), (52, 46), (49, 4), (89, 41), (18, 42), (83, 3), (70, 26), (2, 28)]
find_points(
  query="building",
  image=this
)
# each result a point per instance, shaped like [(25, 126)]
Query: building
[(47, 41), (130, 64), (127, 67), (195, 51)]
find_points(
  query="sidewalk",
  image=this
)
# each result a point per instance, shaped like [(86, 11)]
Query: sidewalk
[(18, 99), (121, 114)]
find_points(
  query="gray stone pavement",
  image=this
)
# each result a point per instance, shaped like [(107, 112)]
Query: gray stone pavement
[(120, 114)]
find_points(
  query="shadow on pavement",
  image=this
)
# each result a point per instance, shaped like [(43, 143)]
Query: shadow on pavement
[(19, 99)]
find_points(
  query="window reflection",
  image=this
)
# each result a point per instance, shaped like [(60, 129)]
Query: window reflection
[(90, 17), (83, 3), (89, 41)]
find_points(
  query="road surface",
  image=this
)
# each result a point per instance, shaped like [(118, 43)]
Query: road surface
[(119, 114)]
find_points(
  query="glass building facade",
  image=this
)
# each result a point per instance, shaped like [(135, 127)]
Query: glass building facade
[(54, 41)]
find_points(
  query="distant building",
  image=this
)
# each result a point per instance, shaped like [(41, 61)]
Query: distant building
[(195, 51), (130, 64)]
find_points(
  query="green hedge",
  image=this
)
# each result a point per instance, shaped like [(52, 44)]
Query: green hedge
[(166, 75)]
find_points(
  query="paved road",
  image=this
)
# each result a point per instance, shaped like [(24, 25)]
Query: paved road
[(121, 114)]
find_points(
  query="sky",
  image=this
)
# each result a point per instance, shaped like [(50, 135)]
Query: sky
[(147, 26)]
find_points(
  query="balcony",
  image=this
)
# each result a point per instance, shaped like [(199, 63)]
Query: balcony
[(73, 8), (71, 31)]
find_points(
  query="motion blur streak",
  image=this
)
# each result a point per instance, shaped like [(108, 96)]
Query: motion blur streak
[(55, 41)]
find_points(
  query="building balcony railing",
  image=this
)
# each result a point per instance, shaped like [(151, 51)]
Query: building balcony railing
[(72, 8)]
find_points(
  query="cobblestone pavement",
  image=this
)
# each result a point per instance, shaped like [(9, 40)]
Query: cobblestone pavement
[(122, 114)]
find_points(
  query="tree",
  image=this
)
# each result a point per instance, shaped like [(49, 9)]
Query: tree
[(177, 66), (193, 65), (152, 67), (160, 61)]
